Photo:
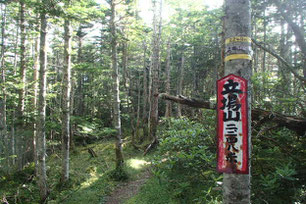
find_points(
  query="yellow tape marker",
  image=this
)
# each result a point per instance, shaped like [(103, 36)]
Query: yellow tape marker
[(238, 56), (238, 39)]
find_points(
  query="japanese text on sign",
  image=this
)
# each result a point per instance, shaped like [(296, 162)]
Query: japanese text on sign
[(232, 125)]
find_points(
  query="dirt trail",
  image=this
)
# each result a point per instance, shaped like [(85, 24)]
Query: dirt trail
[(128, 189)]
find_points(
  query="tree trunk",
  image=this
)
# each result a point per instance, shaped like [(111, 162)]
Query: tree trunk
[(66, 100), (22, 63), (41, 119), (138, 111), (3, 126), (116, 98), (16, 47), (255, 62), (79, 92), (168, 68), (145, 93), (180, 85), (236, 187), (20, 114), (155, 68), (35, 87), (264, 91)]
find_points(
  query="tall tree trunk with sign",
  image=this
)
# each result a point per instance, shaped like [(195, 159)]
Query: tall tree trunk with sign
[(236, 187)]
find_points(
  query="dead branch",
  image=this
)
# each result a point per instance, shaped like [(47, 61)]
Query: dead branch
[(92, 152), (282, 60), (151, 146), (291, 122), (196, 103)]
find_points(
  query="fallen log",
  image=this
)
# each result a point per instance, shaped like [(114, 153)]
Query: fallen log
[(151, 146), (262, 116)]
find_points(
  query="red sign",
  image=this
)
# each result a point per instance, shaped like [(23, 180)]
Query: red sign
[(232, 125)]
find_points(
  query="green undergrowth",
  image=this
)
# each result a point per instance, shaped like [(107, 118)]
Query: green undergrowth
[(183, 165), (90, 177)]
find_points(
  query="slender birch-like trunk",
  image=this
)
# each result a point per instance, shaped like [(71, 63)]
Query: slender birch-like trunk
[(3, 126), (264, 70), (41, 118), (80, 92), (66, 100), (138, 111), (237, 187), (22, 62), (35, 87), (145, 93), (168, 68), (116, 98), (180, 85), (16, 47)]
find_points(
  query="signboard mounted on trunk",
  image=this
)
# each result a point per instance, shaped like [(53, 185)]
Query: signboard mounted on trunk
[(232, 109)]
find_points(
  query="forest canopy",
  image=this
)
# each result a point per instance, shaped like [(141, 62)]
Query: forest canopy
[(140, 76)]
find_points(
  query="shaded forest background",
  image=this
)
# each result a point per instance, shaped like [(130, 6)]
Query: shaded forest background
[(105, 68)]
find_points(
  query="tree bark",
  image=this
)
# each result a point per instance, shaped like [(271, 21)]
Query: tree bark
[(35, 87), (116, 98), (3, 125), (16, 47), (41, 119), (264, 51), (21, 99), (168, 68), (237, 187), (66, 100), (138, 112), (155, 69), (80, 92), (145, 93), (22, 63), (180, 85)]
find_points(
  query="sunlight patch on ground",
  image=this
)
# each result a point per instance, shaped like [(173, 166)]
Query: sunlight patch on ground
[(137, 163), (94, 176)]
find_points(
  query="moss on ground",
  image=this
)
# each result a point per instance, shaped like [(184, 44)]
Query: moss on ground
[(89, 176)]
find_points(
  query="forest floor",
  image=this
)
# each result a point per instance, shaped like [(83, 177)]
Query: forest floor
[(90, 180), (128, 189)]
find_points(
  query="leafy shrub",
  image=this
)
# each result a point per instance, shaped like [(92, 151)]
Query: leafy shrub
[(107, 132), (185, 161), (119, 174), (278, 167), (91, 130)]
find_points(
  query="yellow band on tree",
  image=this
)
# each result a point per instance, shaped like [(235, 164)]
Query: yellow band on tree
[(238, 56), (238, 39)]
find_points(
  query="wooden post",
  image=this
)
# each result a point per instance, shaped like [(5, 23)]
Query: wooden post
[(236, 187)]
